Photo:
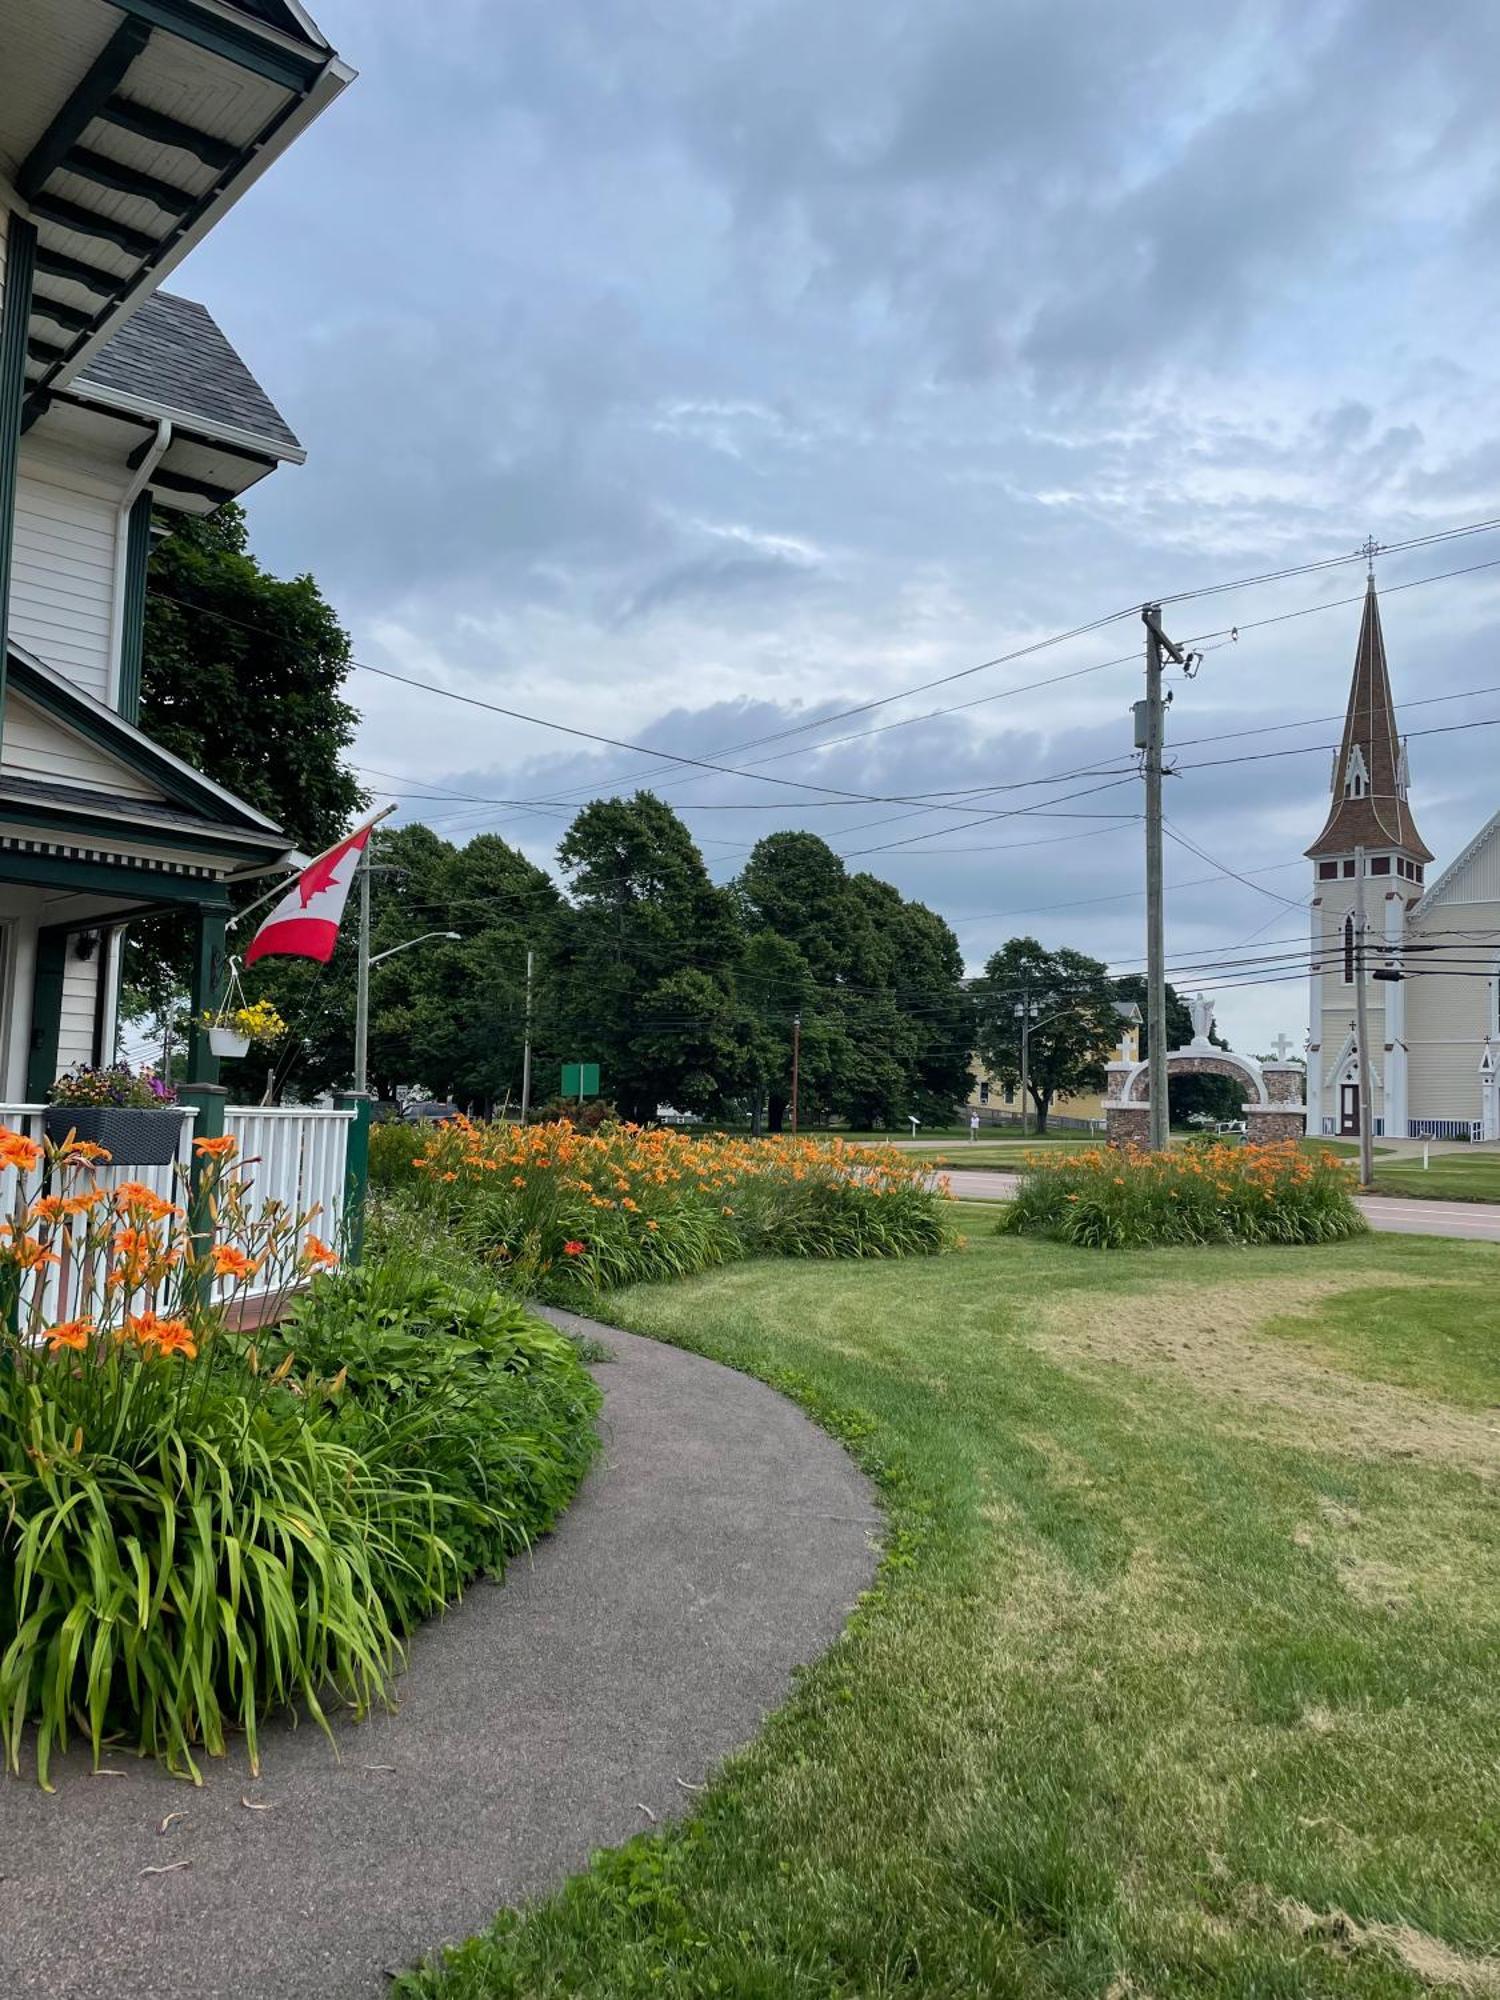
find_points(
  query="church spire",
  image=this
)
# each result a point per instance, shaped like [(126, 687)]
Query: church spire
[(1369, 806)]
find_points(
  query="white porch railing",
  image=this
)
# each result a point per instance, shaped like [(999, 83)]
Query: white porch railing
[(1444, 1128), (294, 1155)]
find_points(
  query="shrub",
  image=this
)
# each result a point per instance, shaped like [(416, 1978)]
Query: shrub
[(394, 1147), (567, 1215), (457, 1384), (1111, 1200)]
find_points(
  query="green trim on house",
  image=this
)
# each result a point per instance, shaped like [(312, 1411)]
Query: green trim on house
[(46, 1011), (237, 44), (123, 741), (15, 314), (133, 620), (206, 984), (214, 846), (102, 878), (87, 99)]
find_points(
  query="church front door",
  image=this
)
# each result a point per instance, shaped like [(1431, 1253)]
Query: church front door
[(1348, 1110)]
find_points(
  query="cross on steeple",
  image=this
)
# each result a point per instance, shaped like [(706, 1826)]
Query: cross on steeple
[(1369, 548)]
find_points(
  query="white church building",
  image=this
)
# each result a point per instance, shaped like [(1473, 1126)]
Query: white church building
[(1433, 947)]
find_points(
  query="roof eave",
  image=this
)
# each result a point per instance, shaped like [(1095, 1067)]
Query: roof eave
[(150, 411)]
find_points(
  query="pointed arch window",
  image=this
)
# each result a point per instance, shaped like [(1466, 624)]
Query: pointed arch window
[(1349, 949), (1356, 775)]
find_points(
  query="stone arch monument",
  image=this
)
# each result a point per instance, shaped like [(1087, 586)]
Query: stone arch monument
[(1273, 1091)]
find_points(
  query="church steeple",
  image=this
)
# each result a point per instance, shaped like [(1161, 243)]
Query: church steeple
[(1369, 806)]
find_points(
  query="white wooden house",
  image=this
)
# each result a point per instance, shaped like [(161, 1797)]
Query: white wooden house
[(127, 129)]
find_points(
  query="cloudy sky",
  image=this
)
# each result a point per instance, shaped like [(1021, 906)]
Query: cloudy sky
[(690, 372)]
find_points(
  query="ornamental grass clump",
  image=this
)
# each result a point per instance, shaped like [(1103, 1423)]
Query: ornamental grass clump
[(1104, 1199), (567, 1214)]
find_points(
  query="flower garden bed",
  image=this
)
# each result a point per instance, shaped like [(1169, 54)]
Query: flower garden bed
[(566, 1215), (1104, 1199), (201, 1525)]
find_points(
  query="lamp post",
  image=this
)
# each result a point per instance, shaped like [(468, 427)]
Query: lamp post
[(362, 996), (1026, 1014)]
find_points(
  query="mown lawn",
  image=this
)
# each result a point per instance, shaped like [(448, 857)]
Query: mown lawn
[(1449, 1177), (1179, 1678)]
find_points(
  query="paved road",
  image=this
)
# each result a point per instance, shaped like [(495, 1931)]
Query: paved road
[(1476, 1221), (720, 1541)]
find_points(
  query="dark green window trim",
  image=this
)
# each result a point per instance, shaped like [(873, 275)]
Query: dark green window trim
[(99, 878), (15, 312), (133, 623)]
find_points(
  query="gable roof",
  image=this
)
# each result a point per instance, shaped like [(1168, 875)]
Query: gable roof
[(188, 800), (1380, 817), (1448, 880), (172, 354)]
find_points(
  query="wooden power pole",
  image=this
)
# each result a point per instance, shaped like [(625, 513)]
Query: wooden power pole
[(1149, 737)]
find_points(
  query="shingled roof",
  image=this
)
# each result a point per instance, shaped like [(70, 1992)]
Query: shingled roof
[(1377, 815), (170, 353)]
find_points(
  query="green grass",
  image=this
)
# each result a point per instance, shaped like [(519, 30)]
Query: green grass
[(1464, 1176), (1183, 1644)]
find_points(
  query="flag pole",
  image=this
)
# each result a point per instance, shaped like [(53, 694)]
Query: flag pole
[(279, 889), (362, 988)]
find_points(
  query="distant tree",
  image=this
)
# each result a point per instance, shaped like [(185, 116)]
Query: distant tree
[(243, 678), (643, 914), (1075, 1024)]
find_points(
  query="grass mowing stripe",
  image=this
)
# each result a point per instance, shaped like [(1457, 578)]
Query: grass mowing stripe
[(1173, 1682)]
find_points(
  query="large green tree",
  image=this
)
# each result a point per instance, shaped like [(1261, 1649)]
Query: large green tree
[(1074, 1025), (243, 678), (642, 961)]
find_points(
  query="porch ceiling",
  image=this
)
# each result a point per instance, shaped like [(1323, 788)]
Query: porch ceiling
[(128, 127)]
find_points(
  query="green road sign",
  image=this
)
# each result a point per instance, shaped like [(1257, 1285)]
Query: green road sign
[(580, 1080)]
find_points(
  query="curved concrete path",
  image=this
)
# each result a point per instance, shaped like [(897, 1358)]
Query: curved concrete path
[(720, 1540)]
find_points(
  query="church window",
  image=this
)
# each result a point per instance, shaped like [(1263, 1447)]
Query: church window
[(1356, 775), (1381, 865), (1327, 871), (1349, 949), (1349, 868)]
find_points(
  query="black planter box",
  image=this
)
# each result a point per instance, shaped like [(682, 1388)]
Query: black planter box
[(131, 1138)]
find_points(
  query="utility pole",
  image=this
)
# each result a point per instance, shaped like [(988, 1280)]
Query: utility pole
[(796, 1063), (1362, 1028), (1150, 718), (526, 1048), (1024, 1010), (362, 987)]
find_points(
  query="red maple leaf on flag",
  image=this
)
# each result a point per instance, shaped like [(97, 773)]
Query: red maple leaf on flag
[(319, 875)]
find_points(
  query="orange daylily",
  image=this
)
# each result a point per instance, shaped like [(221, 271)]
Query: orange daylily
[(69, 1333), (222, 1148)]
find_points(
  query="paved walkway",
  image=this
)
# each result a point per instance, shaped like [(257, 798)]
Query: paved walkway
[(1478, 1221), (720, 1541)]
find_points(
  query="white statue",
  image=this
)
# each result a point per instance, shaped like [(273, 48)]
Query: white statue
[(1201, 1007)]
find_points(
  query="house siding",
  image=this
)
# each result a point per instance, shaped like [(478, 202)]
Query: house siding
[(75, 1037), (1450, 1015), (35, 746), (63, 577)]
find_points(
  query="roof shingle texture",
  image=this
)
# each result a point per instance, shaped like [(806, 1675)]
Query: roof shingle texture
[(171, 352), (1382, 817)]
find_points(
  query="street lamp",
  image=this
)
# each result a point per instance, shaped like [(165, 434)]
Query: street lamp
[(456, 936), (1026, 1013), (362, 990)]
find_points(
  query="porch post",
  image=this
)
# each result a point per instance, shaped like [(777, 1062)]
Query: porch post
[(356, 1170), (203, 1091), (46, 1010)]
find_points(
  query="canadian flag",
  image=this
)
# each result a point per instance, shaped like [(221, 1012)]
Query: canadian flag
[(305, 923)]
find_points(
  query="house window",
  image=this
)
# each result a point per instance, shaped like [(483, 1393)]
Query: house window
[(1349, 949), (1381, 865), (1328, 871), (1010, 1093), (984, 1093)]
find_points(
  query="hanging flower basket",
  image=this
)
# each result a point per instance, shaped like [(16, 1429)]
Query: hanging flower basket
[(235, 1027), (227, 1042)]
